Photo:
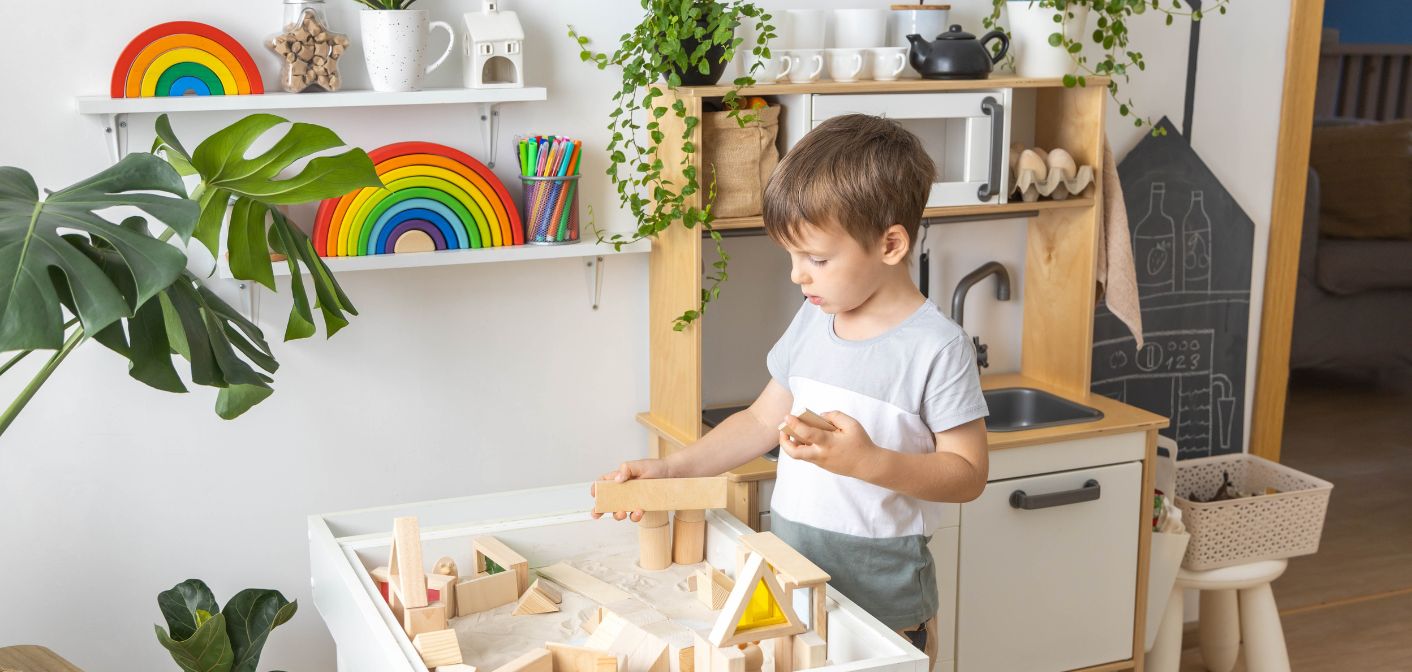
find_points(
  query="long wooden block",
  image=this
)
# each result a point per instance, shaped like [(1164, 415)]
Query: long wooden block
[(438, 648), (660, 494), (431, 618), (407, 576), (791, 565), (485, 592), (489, 547), (457, 667), (810, 651), (639, 650), (579, 659), (782, 649), (538, 660), (583, 583)]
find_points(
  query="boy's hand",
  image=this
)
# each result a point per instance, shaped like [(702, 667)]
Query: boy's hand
[(840, 451), (626, 472)]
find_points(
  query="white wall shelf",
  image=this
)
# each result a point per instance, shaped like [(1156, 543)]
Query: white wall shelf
[(113, 111)]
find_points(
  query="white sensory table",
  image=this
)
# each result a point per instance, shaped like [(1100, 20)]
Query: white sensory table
[(546, 525)]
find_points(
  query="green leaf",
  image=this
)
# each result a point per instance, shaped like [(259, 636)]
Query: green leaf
[(37, 265), (250, 617), (181, 603), (207, 650), (234, 400)]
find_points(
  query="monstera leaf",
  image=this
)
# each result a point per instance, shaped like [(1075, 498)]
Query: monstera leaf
[(250, 190), (39, 264), (205, 638)]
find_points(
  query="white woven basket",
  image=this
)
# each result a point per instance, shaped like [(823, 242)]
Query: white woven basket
[(1265, 527)]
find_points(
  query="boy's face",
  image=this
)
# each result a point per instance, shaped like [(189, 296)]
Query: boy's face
[(834, 271)]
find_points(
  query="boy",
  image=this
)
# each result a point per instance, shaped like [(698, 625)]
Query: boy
[(875, 358)]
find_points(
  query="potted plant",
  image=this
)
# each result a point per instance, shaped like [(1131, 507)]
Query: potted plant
[(395, 43), (1049, 39), (203, 637), (77, 275), (676, 42)]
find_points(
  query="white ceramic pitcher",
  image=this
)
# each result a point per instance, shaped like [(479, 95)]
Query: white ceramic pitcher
[(395, 47)]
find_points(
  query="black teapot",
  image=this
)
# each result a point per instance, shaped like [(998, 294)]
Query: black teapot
[(956, 54)]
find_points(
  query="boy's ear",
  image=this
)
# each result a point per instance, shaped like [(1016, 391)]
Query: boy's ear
[(895, 244)]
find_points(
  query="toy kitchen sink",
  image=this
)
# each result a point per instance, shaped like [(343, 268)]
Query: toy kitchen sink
[(546, 526)]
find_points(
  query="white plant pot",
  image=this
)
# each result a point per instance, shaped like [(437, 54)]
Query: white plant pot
[(1030, 28), (395, 47)]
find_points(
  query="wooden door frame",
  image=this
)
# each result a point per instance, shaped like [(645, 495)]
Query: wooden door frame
[(1286, 225)]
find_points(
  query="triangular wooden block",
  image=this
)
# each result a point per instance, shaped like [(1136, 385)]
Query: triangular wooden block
[(758, 608)]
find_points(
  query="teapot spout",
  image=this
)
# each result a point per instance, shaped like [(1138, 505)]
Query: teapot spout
[(919, 43)]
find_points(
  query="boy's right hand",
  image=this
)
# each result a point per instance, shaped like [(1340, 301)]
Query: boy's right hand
[(628, 471)]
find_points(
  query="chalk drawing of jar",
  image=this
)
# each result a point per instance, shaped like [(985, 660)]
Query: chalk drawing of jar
[(1154, 246), (1196, 246)]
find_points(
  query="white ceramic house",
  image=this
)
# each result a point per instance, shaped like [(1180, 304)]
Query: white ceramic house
[(494, 48)]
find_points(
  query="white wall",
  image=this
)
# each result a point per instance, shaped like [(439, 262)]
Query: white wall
[(111, 492)]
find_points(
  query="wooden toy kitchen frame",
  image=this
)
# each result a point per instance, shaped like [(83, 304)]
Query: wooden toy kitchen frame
[(1061, 588)]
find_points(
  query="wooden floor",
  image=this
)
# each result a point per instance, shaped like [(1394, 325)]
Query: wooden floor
[(1349, 607)]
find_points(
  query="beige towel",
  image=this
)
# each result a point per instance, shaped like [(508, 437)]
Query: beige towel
[(1117, 277)]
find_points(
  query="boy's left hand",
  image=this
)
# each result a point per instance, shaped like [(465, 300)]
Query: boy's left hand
[(840, 451)]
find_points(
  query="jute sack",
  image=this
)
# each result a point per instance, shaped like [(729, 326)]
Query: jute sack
[(740, 159)]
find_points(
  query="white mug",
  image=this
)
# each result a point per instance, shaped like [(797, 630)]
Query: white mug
[(859, 28), (887, 62), (806, 28), (770, 68), (845, 64), (802, 66), (395, 47)]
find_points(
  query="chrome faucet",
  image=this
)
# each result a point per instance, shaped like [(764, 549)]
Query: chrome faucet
[(958, 301)]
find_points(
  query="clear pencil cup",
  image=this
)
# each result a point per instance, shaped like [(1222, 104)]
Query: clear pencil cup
[(551, 210)]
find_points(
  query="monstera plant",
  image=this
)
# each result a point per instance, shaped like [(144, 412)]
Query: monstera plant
[(71, 271), (203, 637)]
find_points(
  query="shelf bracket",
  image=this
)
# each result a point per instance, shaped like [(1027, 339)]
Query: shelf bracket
[(115, 126), (489, 130), (595, 281)]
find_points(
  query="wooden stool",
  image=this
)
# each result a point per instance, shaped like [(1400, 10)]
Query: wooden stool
[(1223, 624), (33, 659)]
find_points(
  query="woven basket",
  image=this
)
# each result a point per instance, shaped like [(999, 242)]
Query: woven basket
[(740, 159), (1265, 527)]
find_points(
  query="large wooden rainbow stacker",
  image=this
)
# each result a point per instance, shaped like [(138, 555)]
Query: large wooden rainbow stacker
[(435, 198), (184, 58)]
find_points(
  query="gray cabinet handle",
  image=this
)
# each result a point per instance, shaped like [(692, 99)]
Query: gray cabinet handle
[(998, 153), (1090, 491)]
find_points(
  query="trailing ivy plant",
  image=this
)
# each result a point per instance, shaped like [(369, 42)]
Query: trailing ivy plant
[(673, 37), (72, 274), (1110, 34)]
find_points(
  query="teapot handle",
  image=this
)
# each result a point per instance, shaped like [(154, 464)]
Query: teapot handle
[(1004, 44)]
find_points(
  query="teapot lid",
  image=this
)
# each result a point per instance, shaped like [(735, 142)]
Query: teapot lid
[(955, 33)]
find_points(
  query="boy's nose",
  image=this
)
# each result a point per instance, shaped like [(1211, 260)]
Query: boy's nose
[(797, 275)]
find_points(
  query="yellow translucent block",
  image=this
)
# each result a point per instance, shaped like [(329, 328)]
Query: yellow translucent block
[(762, 611)]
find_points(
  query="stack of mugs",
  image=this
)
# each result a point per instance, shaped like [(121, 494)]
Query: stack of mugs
[(844, 45)]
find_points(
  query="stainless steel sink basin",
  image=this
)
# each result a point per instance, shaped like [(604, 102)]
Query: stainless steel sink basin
[(1013, 409)]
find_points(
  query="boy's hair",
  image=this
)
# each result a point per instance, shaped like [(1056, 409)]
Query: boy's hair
[(860, 172)]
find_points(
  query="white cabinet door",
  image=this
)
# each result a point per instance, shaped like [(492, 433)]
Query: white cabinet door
[(1049, 587), (944, 545)]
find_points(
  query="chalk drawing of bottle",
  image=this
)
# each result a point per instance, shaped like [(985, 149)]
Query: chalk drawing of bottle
[(1196, 246), (1154, 245)]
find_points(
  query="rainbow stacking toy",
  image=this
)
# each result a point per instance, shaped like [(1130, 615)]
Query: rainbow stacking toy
[(435, 198), (184, 58)]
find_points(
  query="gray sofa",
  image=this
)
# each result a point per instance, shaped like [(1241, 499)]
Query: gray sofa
[(1353, 306)]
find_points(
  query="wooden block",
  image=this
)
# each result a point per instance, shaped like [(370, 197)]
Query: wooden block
[(654, 547), (810, 651), (541, 598), (579, 659), (445, 587), (660, 494), (458, 667), (485, 592), (637, 649), (445, 566), (794, 570), (816, 421), (431, 618), (583, 583), (713, 587), (550, 589), (820, 622), (689, 537), (538, 660), (729, 630), (489, 547), (406, 574), (782, 650), (438, 648)]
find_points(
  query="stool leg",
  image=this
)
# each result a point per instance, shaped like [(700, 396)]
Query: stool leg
[(1264, 636), (1220, 630), (1166, 653)]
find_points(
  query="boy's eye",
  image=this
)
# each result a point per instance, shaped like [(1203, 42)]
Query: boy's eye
[(818, 262)]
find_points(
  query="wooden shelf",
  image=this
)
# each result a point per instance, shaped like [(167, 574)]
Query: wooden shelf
[(298, 101), (487, 255), (960, 211), (896, 86)]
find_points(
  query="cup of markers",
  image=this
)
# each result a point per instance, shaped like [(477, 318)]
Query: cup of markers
[(549, 171)]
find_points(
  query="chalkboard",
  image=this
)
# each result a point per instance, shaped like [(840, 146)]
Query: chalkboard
[(1192, 247)]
